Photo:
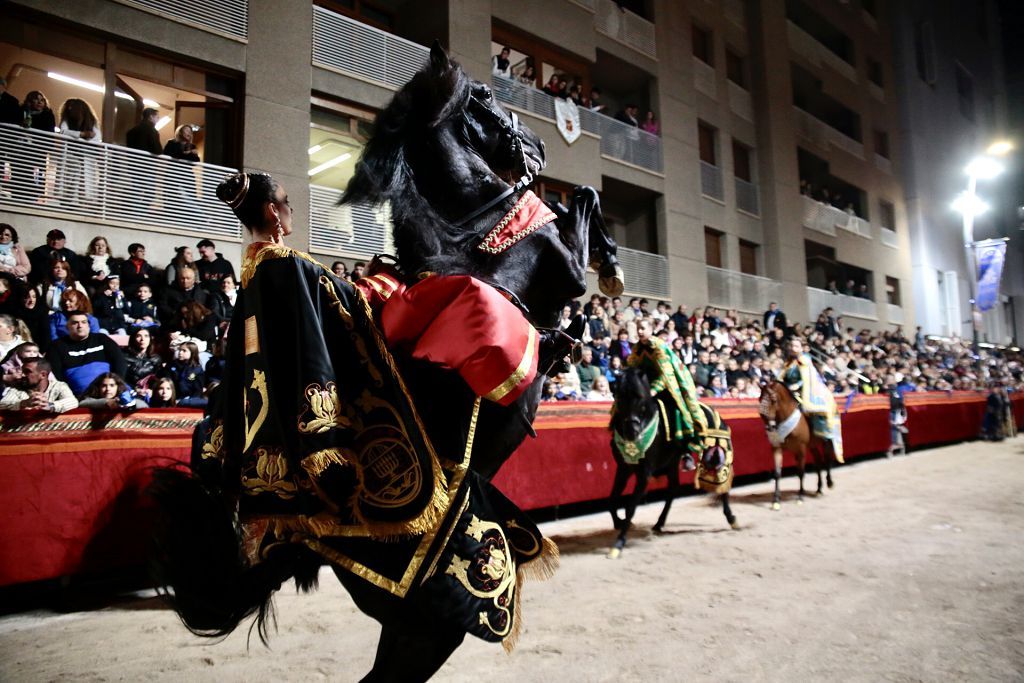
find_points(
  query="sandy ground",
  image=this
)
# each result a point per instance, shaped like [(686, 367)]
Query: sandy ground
[(909, 570)]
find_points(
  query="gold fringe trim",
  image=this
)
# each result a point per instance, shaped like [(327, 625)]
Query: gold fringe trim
[(426, 521), (509, 642), (540, 568), (316, 463)]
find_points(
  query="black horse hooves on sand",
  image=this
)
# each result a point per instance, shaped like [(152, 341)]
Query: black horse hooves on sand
[(636, 411), (451, 163)]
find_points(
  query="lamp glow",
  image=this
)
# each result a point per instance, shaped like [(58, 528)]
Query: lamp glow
[(98, 88), (329, 164), (315, 148), (984, 168), (164, 120), (969, 204), (1000, 148)]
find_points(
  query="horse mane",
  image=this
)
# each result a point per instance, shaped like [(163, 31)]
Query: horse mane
[(633, 386), (385, 173)]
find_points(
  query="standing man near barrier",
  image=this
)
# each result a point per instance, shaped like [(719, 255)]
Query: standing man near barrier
[(816, 401), (672, 385)]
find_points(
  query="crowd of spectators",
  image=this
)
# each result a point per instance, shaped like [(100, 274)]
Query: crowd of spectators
[(729, 355)]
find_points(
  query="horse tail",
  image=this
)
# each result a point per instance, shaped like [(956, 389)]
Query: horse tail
[(199, 557)]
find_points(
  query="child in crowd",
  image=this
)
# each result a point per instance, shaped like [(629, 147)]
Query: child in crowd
[(188, 376), (142, 310), (111, 306)]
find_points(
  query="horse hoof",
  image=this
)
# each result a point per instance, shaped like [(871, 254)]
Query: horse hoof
[(776, 506), (614, 554), (658, 530), (734, 523), (799, 501), (830, 484)]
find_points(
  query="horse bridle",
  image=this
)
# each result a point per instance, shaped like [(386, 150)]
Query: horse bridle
[(511, 132)]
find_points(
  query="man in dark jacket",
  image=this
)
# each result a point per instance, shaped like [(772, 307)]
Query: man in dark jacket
[(41, 256), (81, 357), (10, 108), (213, 267), (145, 136), (185, 289), (774, 318)]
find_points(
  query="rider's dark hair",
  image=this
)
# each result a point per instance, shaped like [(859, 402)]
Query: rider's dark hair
[(246, 193)]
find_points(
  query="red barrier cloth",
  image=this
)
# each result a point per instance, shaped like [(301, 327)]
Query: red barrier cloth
[(73, 496)]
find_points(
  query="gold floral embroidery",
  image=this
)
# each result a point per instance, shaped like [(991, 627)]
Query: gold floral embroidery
[(326, 408), (259, 383), (272, 474), (489, 574), (214, 448)]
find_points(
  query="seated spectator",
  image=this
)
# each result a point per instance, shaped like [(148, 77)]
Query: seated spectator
[(141, 359), (180, 146), (13, 258), (217, 363), (621, 346), (340, 269), (614, 372), (587, 371), (112, 306), (12, 365), (36, 318), (601, 391), (60, 279), (162, 395), (82, 356), (357, 270), (42, 257), (142, 310), (38, 390), (136, 270), (187, 374), (182, 257), (184, 289), (197, 322), (144, 134), (71, 301), (212, 267), (109, 392), (223, 302), (9, 337), (500, 64), (99, 263)]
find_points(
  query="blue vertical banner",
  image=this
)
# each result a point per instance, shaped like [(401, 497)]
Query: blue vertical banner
[(989, 256)]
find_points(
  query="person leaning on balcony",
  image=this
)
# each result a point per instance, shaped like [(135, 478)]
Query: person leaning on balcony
[(13, 258), (182, 147), (144, 135), (36, 113), (78, 120), (551, 88), (528, 76), (594, 103), (500, 64), (39, 391)]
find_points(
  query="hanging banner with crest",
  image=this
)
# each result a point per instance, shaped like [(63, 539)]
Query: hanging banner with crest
[(990, 256), (567, 116)]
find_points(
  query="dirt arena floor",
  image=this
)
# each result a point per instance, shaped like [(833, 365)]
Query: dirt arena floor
[(911, 569)]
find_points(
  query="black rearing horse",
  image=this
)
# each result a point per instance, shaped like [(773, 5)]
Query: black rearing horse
[(642, 450), (451, 163)]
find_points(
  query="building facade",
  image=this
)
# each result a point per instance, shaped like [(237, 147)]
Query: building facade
[(776, 174)]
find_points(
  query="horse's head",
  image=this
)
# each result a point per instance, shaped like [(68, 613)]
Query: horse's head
[(634, 406), (768, 405)]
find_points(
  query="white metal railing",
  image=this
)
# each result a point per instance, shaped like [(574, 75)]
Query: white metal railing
[(346, 45), (733, 11), (740, 102), (704, 78), (711, 181), (645, 273), (877, 91), (619, 140), (808, 46), (889, 238), (624, 26), (820, 299), (844, 142), (747, 293), (52, 174), (820, 216), (894, 313), (357, 230), (883, 164), (858, 226), (747, 197), (820, 133), (228, 17)]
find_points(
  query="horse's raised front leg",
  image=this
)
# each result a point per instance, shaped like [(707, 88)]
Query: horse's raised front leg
[(673, 491), (729, 517), (777, 473), (618, 485)]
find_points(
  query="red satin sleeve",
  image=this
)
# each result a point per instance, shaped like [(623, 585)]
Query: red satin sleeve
[(467, 326)]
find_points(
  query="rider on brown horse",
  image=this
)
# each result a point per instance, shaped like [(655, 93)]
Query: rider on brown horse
[(816, 401)]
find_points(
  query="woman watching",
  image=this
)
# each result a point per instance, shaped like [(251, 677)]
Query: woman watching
[(71, 301), (59, 280), (109, 392), (182, 257), (141, 358), (13, 258), (99, 263)]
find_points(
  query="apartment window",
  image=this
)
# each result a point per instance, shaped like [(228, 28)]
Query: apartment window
[(741, 162), (706, 141), (892, 291), (924, 52), (703, 45), (875, 74), (748, 257), (965, 92), (713, 247), (881, 143), (337, 134), (736, 68), (887, 214)]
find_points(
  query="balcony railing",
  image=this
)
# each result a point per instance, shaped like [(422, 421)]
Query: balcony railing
[(857, 226), (820, 299), (821, 217), (353, 48), (894, 313), (52, 174), (226, 17), (704, 78), (619, 140), (356, 230), (747, 198), (747, 293), (823, 135), (740, 102), (711, 181), (889, 238), (808, 46), (883, 164), (646, 273), (844, 142), (622, 25)]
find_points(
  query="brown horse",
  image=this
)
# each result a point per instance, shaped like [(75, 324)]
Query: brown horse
[(788, 429)]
